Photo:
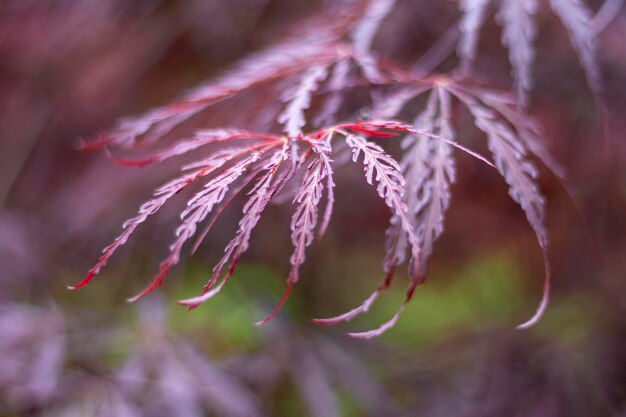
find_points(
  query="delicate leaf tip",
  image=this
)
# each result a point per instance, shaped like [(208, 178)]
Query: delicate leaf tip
[(83, 282), (137, 163), (278, 306), (364, 307), (158, 280), (456, 145), (379, 330), (195, 302), (543, 305), (95, 144)]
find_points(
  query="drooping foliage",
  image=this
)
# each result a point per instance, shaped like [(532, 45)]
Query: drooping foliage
[(309, 74)]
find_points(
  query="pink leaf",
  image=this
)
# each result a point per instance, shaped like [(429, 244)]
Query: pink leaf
[(520, 174), (576, 18), (474, 12), (339, 78), (261, 195), (197, 209), (518, 34), (200, 138), (363, 37), (161, 196), (300, 99), (383, 169)]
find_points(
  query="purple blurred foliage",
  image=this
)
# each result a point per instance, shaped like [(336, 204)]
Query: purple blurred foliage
[(32, 355), (20, 254), (167, 376), (514, 375), (315, 367), (85, 394)]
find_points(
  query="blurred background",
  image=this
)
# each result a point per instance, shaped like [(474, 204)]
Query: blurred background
[(71, 68)]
